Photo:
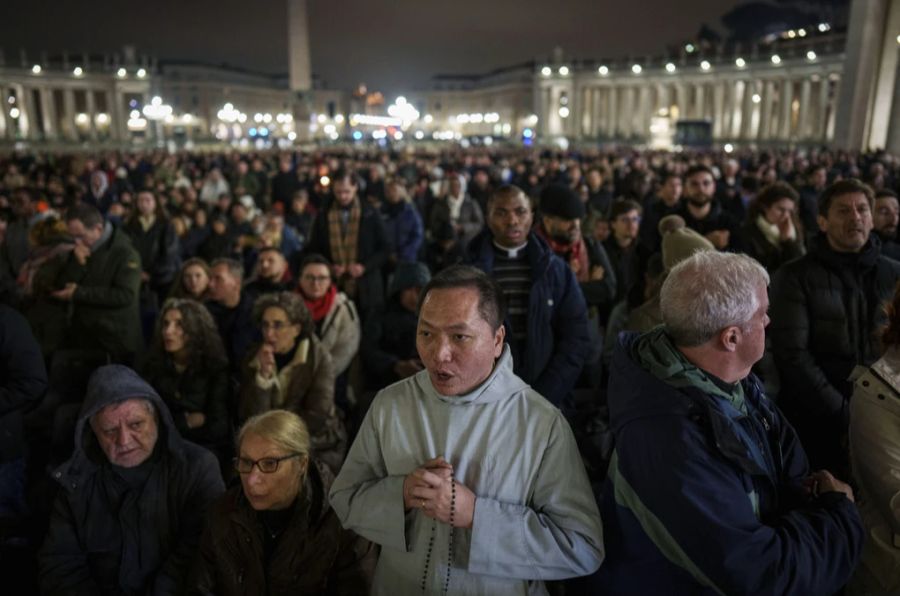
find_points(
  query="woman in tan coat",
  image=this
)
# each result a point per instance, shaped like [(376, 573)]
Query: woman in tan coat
[(291, 370)]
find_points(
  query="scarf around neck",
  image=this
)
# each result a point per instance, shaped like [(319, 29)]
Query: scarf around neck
[(320, 307)]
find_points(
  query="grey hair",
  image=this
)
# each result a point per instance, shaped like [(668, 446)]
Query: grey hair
[(151, 409), (708, 292)]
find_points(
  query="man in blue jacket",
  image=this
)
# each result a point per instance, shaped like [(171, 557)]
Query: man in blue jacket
[(709, 489), (547, 325)]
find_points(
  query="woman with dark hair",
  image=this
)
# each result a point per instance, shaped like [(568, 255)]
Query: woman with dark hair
[(187, 366), (772, 233), (276, 533), (192, 280), (291, 370), (875, 461)]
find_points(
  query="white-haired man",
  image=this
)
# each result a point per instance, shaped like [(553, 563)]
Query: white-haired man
[(709, 490)]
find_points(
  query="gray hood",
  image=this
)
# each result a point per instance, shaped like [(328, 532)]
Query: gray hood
[(111, 384)]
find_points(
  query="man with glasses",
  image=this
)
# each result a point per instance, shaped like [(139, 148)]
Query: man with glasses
[(132, 497), (626, 250)]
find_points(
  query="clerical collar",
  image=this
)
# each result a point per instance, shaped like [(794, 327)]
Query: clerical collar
[(512, 253)]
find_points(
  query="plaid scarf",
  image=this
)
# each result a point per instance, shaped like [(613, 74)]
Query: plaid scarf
[(574, 253), (343, 246)]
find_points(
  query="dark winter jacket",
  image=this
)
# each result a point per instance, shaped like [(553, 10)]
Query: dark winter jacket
[(313, 555), (159, 250), (108, 537), (689, 508), (372, 248), (202, 387), (105, 304), (826, 308), (558, 343), (404, 230), (753, 242), (23, 380)]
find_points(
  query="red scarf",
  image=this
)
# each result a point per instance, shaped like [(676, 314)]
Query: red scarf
[(319, 308), (574, 253)]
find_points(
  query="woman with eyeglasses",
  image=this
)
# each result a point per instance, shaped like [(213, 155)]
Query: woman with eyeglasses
[(291, 370), (276, 533), (335, 317)]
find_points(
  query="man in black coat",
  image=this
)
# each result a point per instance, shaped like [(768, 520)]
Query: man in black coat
[(826, 307), (702, 212), (350, 234), (133, 496)]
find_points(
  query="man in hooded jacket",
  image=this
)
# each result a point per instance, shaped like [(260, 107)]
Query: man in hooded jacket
[(133, 496)]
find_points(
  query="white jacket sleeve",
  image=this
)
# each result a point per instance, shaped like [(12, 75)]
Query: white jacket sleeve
[(365, 498)]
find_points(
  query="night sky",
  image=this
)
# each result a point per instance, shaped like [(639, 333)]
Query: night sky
[(394, 45)]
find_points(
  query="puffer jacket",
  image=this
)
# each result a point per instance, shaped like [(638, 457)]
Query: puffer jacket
[(314, 555), (826, 307), (340, 332), (107, 537)]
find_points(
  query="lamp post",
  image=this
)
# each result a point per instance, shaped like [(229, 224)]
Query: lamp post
[(157, 111)]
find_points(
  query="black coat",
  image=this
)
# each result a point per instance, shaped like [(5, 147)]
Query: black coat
[(108, 536), (372, 248), (754, 243), (387, 339), (23, 379), (159, 249), (202, 387), (826, 308)]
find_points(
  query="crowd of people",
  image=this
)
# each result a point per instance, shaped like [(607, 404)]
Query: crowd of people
[(503, 371)]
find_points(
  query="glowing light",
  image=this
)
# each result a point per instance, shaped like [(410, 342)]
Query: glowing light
[(792, 34), (670, 67), (267, 118), (398, 136), (563, 71), (339, 118), (329, 128), (420, 135), (321, 118), (740, 63), (810, 55), (824, 27), (156, 101), (78, 71), (546, 71), (121, 73), (636, 69), (357, 135), (14, 113), (689, 48), (324, 180), (705, 65), (564, 112), (492, 117), (756, 98), (801, 32), (528, 133), (292, 136), (374, 120), (603, 71), (134, 114), (141, 73), (401, 101), (257, 117), (379, 134), (102, 118), (428, 118), (728, 147), (36, 69), (82, 118), (776, 59)]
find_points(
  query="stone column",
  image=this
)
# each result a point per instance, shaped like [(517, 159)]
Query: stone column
[(870, 69), (91, 109), (805, 107), (68, 117), (48, 108), (787, 98), (821, 131), (746, 130), (766, 109)]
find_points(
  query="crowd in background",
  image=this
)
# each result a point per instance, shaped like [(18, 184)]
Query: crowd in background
[(239, 283)]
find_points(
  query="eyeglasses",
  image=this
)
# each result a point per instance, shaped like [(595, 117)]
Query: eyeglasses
[(316, 279), (266, 465), (276, 325)]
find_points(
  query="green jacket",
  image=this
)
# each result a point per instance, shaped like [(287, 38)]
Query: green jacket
[(104, 313)]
